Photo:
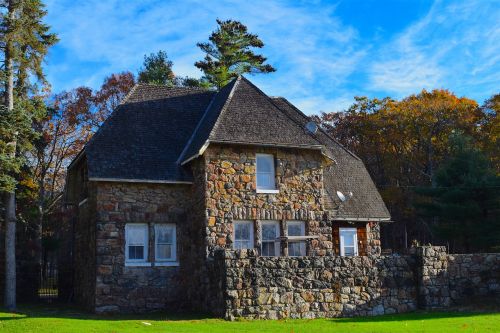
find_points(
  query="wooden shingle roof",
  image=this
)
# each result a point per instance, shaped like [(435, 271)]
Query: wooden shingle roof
[(156, 131)]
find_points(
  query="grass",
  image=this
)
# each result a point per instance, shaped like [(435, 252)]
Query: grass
[(53, 319)]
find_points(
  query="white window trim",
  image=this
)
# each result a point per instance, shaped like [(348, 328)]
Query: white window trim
[(303, 231), (137, 262), (277, 242), (252, 239), (268, 191), (167, 264), (272, 188), (174, 244), (342, 250)]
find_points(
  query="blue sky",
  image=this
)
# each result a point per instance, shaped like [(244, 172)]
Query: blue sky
[(325, 52)]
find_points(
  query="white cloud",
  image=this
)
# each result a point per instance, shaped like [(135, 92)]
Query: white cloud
[(322, 62), (455, 46), (308, 44)]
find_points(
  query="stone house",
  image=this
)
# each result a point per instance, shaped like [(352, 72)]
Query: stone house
[(178, 183)]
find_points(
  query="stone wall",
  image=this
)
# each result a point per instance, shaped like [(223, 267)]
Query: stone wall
[(317, 287), (472, 275), (231, 193), (120, 288), (85, 251), (432, 277)]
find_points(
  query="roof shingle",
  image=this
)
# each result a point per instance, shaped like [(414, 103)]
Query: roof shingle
[(145, 135), (156, 127)]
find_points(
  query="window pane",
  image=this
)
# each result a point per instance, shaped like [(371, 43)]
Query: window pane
[(163, 251), (136, 234), (265, 163), (242, 231), (349, 251), (296, 249), (165, 234), (264, 181), (243, 235), (136, 252), (269, 232), (240, 245), (268, 249), (348, 239), (295, 229)]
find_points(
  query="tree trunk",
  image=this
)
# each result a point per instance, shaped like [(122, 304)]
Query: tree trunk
[(10, 252), (41, 214), (10, 198)]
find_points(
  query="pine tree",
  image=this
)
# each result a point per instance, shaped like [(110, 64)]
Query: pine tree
[(25, 41), (157, 69), (466, 199), (229, 53)]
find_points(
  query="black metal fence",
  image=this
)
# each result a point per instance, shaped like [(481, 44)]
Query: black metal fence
[(48, 289)]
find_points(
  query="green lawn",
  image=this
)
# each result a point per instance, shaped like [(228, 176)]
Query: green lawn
[(41, 319)]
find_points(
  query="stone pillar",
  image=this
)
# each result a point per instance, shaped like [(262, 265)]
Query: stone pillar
[(432, 277)]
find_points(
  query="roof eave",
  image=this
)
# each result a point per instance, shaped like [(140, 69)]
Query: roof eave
[(147, 181), (198, 154), (77, 158), (363, 219)]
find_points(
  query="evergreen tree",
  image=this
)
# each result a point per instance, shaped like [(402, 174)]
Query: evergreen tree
[(466, 199), (25, 41), (229, 53), (157, 69)]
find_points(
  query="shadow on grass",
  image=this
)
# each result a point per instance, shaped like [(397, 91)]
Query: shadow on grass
[(66, 311)]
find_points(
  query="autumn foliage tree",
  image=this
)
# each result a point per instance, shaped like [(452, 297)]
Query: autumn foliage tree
[(113, 90), (402, 144)]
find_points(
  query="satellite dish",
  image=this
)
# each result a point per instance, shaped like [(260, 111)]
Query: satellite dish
[(343, 197), (312, 127)]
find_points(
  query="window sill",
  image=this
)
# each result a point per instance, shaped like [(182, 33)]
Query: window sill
[(268, 191), (167, 263), (138, 264)]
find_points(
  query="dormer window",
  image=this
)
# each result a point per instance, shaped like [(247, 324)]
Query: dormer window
[(266, 177)]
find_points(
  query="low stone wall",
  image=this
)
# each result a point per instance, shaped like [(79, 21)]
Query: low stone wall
[(316, 287), (305, 287), (432, 277), (473, 275)]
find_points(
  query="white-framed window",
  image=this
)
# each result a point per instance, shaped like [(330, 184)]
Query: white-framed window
[(165, 242), (296, 248), (136, 242), (270, 231), (265, 173), (243, 235), (348, 241)]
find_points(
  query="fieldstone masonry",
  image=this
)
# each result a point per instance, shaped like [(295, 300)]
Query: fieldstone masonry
[(473, 275), (119, 288), (433, 278), (231, 194), (315, 287)]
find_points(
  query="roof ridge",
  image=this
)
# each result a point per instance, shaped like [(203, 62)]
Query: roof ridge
[(226, 103), (148, 84), (127, 96), (181, 160)]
